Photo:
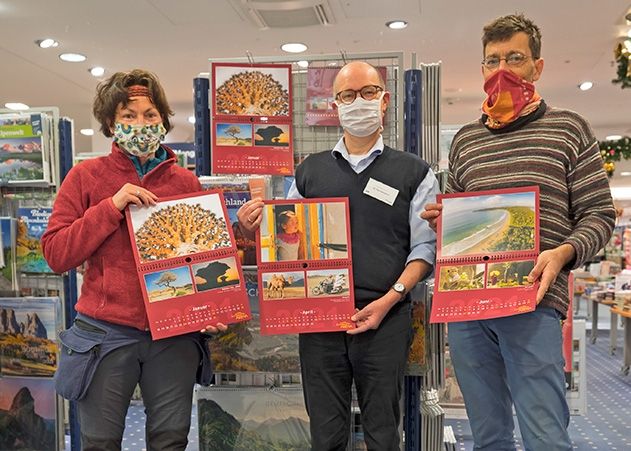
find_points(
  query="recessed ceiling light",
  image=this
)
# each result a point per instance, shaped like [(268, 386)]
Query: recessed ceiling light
[(47, 43), (16, 106), (97, 71), (72, 57), (397, 24), (303, 63), (586, 86), (625, 174), (191, 119), (613, 137), (87, 131), (293, 47)]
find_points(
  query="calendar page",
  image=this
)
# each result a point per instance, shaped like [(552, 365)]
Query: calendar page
[(487, 244), (187, 263), (251, 119), (305, 266)]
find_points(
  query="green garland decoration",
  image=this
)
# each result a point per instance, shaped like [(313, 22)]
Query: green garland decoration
[(612, 151), (623, 72)]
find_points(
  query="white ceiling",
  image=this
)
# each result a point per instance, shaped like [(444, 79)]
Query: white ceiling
[(175, 39)]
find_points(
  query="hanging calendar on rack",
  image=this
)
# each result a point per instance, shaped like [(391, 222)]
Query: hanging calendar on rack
[(251, 119)]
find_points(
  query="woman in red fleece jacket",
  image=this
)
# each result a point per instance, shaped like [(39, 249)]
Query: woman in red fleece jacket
[(109, 349)]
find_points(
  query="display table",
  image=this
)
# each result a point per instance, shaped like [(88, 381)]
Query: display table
[(613, 331), (626, 359)]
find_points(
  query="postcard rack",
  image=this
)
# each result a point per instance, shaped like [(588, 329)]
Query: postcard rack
[(412, 123)]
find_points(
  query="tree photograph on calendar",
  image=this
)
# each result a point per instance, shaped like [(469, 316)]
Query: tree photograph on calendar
[(187, 263), (304, 253), (251, 114), (179, 227)]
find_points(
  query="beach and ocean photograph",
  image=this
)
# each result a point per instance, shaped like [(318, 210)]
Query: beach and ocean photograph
[(490, 223)]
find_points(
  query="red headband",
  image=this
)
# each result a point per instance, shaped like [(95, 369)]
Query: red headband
[(138, 91)]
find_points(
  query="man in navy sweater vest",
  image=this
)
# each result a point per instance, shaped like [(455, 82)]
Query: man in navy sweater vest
[(392, 250)]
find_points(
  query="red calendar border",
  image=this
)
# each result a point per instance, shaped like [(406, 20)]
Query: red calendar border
[(192, 312)]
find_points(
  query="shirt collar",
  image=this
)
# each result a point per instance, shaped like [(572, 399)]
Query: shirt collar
[(341, 150)]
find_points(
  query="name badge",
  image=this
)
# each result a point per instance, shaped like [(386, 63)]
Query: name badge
[(381, 191)]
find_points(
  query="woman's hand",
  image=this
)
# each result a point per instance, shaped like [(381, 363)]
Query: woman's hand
[(219, 327), (132, 194)]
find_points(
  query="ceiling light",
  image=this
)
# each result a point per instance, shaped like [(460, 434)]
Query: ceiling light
[(47, 43), (625, 174), (191, 119), (613, 137), (293, 47), (303, 63), (586, 86), (87, 131), (16, 106), (97, 71), (72, 57), (397, 24)]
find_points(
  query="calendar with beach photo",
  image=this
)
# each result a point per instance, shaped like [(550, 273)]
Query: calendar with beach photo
[(487, 244)]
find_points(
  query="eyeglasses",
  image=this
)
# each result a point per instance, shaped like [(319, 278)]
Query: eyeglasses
[(513, 59), (368, 92)]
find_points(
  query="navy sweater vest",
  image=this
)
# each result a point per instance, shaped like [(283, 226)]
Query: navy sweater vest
[(380, 233)]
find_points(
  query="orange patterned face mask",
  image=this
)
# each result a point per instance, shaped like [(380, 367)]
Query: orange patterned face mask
[(508, 97)]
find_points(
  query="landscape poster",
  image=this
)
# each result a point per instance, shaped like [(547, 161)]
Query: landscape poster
[(32, 223), (243, 348), (487, 245), (21, 148), (251, 115), (188, 264), (28, 414), (28, 336), (252, 418)]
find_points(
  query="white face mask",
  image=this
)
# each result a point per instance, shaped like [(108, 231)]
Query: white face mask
[(362, 117)]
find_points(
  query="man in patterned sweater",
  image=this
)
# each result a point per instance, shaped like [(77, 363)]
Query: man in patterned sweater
[(520, 141)]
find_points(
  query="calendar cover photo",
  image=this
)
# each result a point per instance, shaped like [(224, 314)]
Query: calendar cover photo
[(187, 263), (487, 244), (305, 266), (251, 119)]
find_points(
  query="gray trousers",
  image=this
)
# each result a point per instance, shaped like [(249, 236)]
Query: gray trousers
[(165, 370)]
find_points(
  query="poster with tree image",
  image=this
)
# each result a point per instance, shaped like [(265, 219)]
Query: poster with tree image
[(487, 245), (251, 114)]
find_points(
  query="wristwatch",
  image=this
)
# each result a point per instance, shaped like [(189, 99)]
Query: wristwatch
[(399, 288)]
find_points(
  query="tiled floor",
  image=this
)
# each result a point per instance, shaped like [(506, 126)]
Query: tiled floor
[(607, 427)]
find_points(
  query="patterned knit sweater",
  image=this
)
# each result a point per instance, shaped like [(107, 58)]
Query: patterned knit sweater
[(559, 153)]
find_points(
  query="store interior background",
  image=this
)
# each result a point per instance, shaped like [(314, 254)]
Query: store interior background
[(175, 39)]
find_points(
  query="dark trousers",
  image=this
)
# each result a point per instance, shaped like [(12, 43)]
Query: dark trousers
[(375, 360), (165, 370)]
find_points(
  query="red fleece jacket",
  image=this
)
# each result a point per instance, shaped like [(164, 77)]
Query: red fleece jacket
[(85, 226)]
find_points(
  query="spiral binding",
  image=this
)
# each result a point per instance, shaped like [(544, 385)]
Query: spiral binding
[(307, 264), (509, 256)]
